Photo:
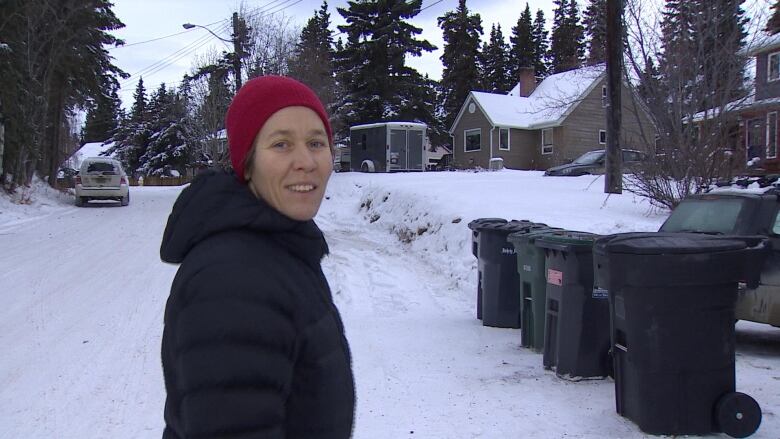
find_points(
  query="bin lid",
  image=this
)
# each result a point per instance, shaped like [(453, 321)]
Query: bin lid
[(477, 223), (566, 239), (673, 243), (530, 233), (507, 227)]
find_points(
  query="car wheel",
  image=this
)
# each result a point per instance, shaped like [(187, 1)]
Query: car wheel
[(364, 168), (125, 200)]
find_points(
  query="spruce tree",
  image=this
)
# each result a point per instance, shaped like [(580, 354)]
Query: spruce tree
[(595, 22), (132, 136), (522, 50), (722, 29), (541, 46), (312, 61), (577, 31), (166, 151), (102, 117), (462, 32), (773, 25), (495, 62), (373, 70), (567, 48)]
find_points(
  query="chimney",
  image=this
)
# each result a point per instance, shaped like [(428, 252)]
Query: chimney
[(527, 81)]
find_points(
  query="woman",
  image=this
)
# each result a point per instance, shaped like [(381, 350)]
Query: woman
[(253, 346)]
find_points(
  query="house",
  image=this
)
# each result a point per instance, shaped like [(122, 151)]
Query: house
[(91, 149), (536, 126), (433, 154), (758, 112)]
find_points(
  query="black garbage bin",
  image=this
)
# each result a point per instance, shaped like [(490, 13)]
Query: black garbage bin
[(498, 263), (672, 299), (576, 340), (531, 275), (475, 227)]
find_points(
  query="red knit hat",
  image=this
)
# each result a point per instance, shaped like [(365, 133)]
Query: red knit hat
[(255, 103)]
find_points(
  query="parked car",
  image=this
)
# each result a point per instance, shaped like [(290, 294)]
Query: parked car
[(444, 163), (66, 177), (594, 162), (101, 178), (745, 212)]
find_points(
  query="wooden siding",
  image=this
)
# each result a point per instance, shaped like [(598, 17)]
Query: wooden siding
[(581, 128), (523, 149), (765, 89), (462, 159)]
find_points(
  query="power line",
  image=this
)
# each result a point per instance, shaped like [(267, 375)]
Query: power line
[(183, 32), (189, 49)]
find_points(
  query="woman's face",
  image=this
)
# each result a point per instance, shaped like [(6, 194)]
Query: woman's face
[(292, 162)]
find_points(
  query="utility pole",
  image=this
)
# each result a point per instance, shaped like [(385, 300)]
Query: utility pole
[(613, 178), (237, 52), (238, 34)]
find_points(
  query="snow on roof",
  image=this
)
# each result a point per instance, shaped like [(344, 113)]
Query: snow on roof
[(745, 103), (92, 149), (549, 104), (389, 124), (764, 41)]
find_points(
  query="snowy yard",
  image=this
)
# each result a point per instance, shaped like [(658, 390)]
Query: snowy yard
[(82, 293)]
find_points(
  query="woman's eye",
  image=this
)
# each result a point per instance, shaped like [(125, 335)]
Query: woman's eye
[(279, 145), (317, 144)]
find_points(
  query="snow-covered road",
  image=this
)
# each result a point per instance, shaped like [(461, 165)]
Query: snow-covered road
[(82, 292)]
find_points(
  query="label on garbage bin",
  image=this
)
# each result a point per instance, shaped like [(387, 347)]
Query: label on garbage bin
[(508, 251), (526, 268), (600, 293), (554, 277)]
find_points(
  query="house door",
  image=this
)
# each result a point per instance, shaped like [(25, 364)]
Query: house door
[(754, 140), (398, 149)]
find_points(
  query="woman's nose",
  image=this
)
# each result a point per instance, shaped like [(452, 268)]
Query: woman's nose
[(304, 158)]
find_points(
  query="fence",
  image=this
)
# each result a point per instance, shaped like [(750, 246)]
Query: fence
[(161, 181)]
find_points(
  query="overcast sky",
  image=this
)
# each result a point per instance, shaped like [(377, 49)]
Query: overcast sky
[(168, 59)]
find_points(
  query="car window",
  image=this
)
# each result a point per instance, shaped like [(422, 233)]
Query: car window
[(631, 156), (776, 227), (102, 167), (705, 215), (589, 158)]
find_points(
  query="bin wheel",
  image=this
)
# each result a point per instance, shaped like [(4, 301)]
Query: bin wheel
[(737, 414)]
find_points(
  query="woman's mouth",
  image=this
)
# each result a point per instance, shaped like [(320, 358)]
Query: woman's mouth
[(302, 188)]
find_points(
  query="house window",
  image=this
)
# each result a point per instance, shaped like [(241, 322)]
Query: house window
[(604, 99), (503, 139), (472, 140), (547, 141), (773, 67), (602, 137), (771, 135)]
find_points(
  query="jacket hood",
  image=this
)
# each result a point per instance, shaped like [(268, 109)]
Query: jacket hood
[(216, 202)]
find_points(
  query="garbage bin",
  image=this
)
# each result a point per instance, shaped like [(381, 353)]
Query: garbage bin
[(497, 259), (672, 299), (475, 227), (576, 340), (531, 276)]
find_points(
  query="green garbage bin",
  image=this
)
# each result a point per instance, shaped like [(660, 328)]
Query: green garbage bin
[(577, 338), (531, 275)]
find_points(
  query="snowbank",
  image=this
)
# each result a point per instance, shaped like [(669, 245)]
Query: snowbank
[(32, 203), (430, 211)]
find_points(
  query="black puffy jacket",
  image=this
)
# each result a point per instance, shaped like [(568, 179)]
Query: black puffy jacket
[(253, 346)]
